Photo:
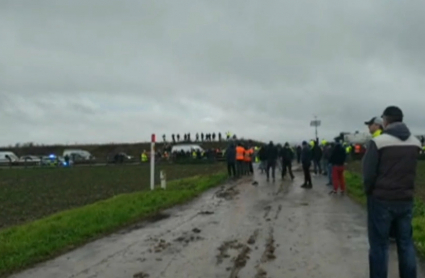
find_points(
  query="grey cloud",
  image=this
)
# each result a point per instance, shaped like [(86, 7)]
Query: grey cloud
[(120, 70)]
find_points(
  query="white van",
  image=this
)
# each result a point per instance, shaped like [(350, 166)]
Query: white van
[(77, 154), (4, 155), (186, 148)]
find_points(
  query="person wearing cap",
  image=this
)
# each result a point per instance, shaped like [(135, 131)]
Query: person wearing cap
[(389, 172), (376, 129), (375, 126)]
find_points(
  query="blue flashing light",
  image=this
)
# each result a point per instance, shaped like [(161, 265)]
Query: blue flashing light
[(52, 156)]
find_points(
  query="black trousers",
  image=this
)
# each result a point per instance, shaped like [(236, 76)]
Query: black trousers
[(287, 166), (307, 175), (240, 165), (250, 168), (231, 169), (271, 165)]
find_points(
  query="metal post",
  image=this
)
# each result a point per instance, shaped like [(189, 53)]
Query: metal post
[(316, 123), (153, 162), (163, 178)]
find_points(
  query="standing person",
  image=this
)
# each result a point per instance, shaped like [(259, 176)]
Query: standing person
[(375, 126), (389, 172), (337, 160), (231, 159), (325, 159), (240, 157), (248, 160), (271, 158), (306, 157), (299, 149), (287, 156), (327, 150), (317, 157), (262, 155)]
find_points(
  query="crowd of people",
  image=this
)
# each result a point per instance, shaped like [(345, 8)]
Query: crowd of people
[(389, 171), (199, 137)]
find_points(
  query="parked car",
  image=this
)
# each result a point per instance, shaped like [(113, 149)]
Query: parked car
[(33, 159), (120, 158), (78, 155), (7, 157), (54, 160)]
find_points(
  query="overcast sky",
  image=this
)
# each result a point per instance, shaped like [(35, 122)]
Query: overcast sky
[(117, 71)]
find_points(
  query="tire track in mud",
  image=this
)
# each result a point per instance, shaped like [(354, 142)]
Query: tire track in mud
[(279, 209), (227, 193), (242, 257), (267, 212), (268, 254)]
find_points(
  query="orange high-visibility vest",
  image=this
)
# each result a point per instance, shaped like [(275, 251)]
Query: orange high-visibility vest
[(248, 154), (240, 153), (357, 148)]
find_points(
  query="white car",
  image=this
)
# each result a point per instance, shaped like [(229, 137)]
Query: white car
[(78, 154), (186, 148), (30, 159)]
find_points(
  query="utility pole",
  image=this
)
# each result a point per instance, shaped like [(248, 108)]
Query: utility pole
[(316, 123)]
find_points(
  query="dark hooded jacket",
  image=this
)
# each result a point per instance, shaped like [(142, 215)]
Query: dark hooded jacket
[(231, 153), (317, 152), (389, 164), (271, 153), (338, 155), (306, 155), (286, 154)]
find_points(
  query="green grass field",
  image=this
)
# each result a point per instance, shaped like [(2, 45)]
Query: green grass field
[(355, 190), (29, 194), (90, 202)]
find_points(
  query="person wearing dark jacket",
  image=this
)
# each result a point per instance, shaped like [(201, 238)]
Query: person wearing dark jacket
[(337, 160), (231, 159), (389, 172), (317, 157), (327, 150), (306, 157), (271, 158), (287, 155)]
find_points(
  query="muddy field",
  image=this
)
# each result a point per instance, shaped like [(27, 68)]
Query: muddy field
[(29, 194)]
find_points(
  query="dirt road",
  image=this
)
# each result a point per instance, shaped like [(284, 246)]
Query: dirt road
[(270, 230)]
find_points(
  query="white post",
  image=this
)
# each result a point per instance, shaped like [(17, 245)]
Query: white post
[(153, 162), (163, 179)]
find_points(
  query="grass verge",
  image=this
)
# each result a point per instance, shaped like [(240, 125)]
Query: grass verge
[(25, 245), (355, 191)]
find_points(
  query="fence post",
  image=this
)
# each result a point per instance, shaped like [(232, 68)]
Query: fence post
[(153, 162), (163, 178)]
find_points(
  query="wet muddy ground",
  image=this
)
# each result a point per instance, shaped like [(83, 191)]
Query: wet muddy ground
[(238, 230)]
